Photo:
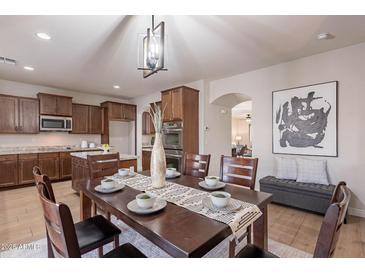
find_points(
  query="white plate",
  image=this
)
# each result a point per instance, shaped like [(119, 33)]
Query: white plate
[(233, 205), (118, 187), (177, 174), (219, 185), (159, 205)]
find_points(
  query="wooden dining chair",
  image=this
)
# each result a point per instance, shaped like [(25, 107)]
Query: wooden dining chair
[(63, 236), (239, 171), (99, 166), (328, 234), (92, 233), (196, 165)]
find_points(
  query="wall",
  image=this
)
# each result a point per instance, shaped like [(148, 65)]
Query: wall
[(345, 65), (48, 138), (240, 128)]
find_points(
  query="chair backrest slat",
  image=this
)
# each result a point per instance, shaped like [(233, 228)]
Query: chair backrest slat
[(196, 165), (332, 222), (103, 165), (239, 171)]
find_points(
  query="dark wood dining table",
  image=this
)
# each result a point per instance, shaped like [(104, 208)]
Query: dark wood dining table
[(176, 230)]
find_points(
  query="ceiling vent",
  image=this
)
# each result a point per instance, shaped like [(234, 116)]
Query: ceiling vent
[(8, 61)]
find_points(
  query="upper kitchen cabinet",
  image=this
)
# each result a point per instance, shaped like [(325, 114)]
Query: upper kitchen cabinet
[(120, 112), (173, 102), (96, 120), (18, 114), (80, 119), (87, 119), (55, 105)]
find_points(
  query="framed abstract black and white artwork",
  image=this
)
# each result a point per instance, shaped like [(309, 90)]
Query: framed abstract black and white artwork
[(305, 120)]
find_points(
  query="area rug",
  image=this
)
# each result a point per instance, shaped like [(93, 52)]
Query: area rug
[(38, 249)]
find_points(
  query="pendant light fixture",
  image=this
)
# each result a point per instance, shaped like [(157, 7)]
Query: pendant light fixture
[(154, 49)]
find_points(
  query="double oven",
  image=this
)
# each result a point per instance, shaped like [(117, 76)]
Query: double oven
[(173, 144)]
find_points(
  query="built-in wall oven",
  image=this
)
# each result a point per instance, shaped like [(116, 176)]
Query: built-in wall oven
[(174, 158), (173, 135), (55, 123)]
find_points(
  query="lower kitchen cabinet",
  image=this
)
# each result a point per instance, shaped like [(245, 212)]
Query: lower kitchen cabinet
[(65, 165), (9, 170), (49, 164), (146, 159), (25, 167)]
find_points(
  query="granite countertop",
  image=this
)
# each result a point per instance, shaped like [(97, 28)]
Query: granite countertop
[(123, 157), (42, 149)]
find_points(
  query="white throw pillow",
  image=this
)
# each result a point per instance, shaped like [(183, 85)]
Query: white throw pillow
[(312, 171), (286, 168)]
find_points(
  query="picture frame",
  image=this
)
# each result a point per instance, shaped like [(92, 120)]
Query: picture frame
[(304, 120)]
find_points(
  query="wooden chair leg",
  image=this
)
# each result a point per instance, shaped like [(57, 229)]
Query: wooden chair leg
[(100, 251), (232, 248), (108, 216), (116, 241)]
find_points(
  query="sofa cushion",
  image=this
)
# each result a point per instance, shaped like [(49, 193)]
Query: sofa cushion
[(312, 171), (286, 168)]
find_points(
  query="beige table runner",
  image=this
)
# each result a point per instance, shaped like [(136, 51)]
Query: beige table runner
[(191, 199)]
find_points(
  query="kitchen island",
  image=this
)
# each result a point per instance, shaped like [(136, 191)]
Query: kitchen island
[(80, 173)]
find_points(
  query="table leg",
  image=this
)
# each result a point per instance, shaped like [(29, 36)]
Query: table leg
[(85, 206), (260, 231)]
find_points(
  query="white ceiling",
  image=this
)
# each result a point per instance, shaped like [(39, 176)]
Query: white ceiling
[(92, 53)]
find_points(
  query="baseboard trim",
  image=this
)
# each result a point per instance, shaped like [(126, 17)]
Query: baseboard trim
[(357, 212)]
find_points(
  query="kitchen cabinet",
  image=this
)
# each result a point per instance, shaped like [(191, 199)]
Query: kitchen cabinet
[(65, 165), (147, 124), (18, 114), (96, 120), (26, 164), (87, 119), (28, 115), (49, 164), (57, 105), (120, 112), (80, 121), (182, 104), (128, 112), (9, 170), (173, 103), (146, 159)]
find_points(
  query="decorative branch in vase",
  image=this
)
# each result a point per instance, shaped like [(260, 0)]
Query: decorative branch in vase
[(158, 159)]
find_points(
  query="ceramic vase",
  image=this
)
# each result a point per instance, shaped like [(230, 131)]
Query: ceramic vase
[(158, 163)]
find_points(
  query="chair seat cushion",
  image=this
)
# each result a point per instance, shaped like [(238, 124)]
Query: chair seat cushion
[(125, 251), (95, 232), (252, 251)]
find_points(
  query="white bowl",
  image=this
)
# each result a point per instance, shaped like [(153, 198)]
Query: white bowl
[(211, 180), (107, 183), (170, 171), (123, 171), (220, 199), (145, 200)]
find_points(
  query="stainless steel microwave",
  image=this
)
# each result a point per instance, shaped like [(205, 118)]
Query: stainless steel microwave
[(55, 123), (173, 136)]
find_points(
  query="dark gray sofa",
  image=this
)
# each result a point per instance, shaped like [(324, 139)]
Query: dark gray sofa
[(312, 197)]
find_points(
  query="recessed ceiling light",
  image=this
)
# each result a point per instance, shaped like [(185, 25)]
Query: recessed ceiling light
[(43, 35), (325, 36), (116, 86), (28, 68)]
